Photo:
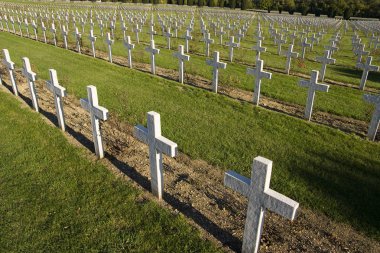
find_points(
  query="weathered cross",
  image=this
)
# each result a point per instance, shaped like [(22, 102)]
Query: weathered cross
[(58, 92), (216, 64), (367, 67), (152, 32), (332, 48), (11, 67), (375, 121), (128, 44), (109, 42), (181, 58), (325, 59), (153, 51), (289, 55), (313, 86), (31, 78), (259, 74), (92, 38), (260, 197), (258, 48), (158, 145), (97, 113)]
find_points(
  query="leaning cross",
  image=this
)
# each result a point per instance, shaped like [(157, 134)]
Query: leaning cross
[(259, 74), (109, 42), (10, 66), (58, 92), (325, 59), (313, 86), (216, 64), (158, 145), (97, 113), (231, 44), (260, 197), (128, 44), (31, 78), (181, 58), (153, 51), (375, 121), (289, 55), (367, 67)]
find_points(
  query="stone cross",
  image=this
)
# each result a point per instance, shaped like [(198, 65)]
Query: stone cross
[(304, 45), (112, 28), (97, 113), (158, 145), (375, 121), (11, 67), (153, 51), (54, 31), (280, 41), (58, 92), (259, 74), (360, 51), (313, 39), (216, 64), (109, 42), (128, 44), (332, 48), (43, 28), (124, 29), (64, 34), (260, 197), (13, 24), (208, 41), (293, 37), (181, 58), (35, 29), (221, 33), (313, 86), (136, 30), (92, 38), (325, 59), (231, 44), (239, 35), (31, 78), (78, 37), (258, 48), (152, 32), (289, 55), (101, 25), (26, 27), (168, 35), (367, 67), (187, 38)]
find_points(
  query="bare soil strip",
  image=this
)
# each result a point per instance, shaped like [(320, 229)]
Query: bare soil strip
[(195, 189)]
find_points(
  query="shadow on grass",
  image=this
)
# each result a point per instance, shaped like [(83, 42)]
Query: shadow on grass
[(356, 73)]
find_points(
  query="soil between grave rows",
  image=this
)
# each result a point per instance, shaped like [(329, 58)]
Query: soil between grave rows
[(195, 188)]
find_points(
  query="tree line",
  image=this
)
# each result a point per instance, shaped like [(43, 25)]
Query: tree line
[(331, 8)]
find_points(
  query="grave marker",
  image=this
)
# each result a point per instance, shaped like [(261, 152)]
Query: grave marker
[(375, 121), (216, 64), (153, 51), (259, 74), (367, 67), (58, 92), (31, 78), (181, 58)]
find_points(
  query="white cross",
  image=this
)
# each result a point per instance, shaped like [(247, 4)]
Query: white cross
[(216, 64), (112, 27), (375, 121), (208, 41), (239, 35), (259, 74), (325, 59), (26, 27), (312, 40), (92, 38), (367, 67), (35, 29), (101, 26), (58, 92), (97, 113), (136, 30), (304, 45), (124, 29), (152, 32), (289, 55), (54, 30), (260, 197), (332, 48), (258, 48), (187, 38), (153, 51), (181, 58), (78, 37), (313, 86), (109, 42), (221, 33), (31, 78), (360, 51), (168, 35), (279, 40), (64, 34), (43, 28), (231, 44), (128, 44), (10, 66), (158, 145)]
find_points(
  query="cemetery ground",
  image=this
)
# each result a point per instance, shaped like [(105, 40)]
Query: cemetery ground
[(333, 174)]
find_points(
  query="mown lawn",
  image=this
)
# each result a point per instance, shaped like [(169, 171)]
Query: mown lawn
[(322, 168), (53, 199)]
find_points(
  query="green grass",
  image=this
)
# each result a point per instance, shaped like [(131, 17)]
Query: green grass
[(55, 200), (322, 168)]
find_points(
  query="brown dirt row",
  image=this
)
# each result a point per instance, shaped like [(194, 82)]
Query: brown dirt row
[(195, 189)]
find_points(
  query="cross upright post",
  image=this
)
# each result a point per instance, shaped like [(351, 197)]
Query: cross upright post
[(181, 58)]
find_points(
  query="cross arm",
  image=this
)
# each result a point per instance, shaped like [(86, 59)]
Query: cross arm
[(166, 146), (372, 99), (280, 204), (222, 65), (99, 111), (141, 133), (322, 87), (237, 182)]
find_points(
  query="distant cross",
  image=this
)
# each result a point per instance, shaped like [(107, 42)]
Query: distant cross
[(54, 31), (366, 67), (181, 58), (216, 64), (124, 29), (109, 42), (101, 25), (43, 28), (280, 41), (231, 44), (258, 48), (208, 41), (158, 145), (97, 113), (35, 29), (136, 30), (112, 28), (331, 48), (221, 33), (31, 78), (325, 59), (152, 32), (304, 45), (313, 39), (168, 35), (11, 67), (128, 44), (313, 86), (293, 37), (375, 121), (260, 197), (239, 35), (64, 34), (92, 38), (153, 51), (289, 55), (360, 51), (187, 38), (13, 24), (26, 27), (78, 37), (259, 74), (58, 92)]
